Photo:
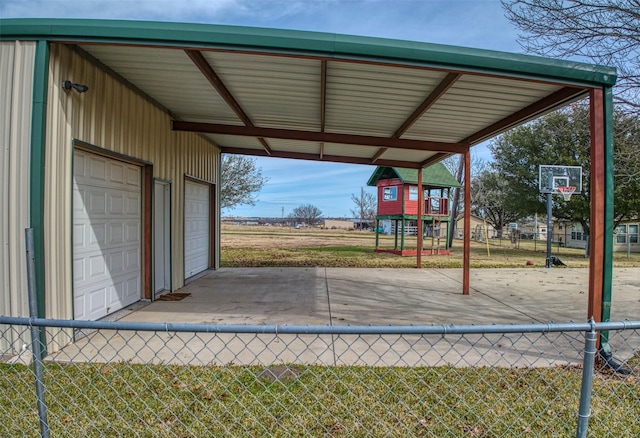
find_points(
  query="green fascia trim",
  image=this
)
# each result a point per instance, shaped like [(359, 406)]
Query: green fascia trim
[(437, 176), (37, 165), (312, 44), (607, 269)]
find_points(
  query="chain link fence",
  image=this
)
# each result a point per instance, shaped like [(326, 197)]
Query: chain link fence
[(167, 380)]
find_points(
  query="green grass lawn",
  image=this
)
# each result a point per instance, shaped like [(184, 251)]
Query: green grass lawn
[(92, 400), (364, 256)]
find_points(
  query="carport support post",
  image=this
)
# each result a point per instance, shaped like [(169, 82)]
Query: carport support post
[(419, 217), (37, 173), (601, 221), (466, 235)]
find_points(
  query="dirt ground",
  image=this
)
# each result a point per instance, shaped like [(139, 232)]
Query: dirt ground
[(263, 237)]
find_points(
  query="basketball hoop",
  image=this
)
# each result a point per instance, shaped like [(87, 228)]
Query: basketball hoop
[(566, 191)]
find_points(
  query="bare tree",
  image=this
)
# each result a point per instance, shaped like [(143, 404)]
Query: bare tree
[(603, 31), (306, 213), (456, 167), (240, 180), (366, 206)]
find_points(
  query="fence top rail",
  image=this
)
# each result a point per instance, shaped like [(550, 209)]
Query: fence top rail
[(321, 329)]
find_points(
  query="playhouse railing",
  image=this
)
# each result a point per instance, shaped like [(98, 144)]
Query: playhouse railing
[(436, 206)]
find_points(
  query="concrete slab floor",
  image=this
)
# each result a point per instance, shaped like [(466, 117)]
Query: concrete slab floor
[(366, 296), (339, 296)]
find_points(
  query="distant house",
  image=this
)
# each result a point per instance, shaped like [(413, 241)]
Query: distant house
[(337, 224), (480, 229), (398, 204), (626, 236)]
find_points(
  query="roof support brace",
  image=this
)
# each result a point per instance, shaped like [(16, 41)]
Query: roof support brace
[(316, 157), (320, 137), (427, 103), (205, 68), (565, 94), (323, 100)]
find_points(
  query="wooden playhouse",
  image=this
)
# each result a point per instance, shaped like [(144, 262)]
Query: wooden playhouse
[(398, 203)]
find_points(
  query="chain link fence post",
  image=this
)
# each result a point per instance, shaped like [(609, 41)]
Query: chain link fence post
[(35, 335), (587, 381)]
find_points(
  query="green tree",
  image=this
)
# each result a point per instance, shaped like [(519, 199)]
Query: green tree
[(492, 199), (366, 206), (563, 138), (306, 213), (240, 180)]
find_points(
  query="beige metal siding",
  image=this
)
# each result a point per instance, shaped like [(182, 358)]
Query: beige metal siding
[(16, 89), (111, 116)]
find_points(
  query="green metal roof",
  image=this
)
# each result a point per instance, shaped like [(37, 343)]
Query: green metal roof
[(320, 96), (436, 175), (323, 44)]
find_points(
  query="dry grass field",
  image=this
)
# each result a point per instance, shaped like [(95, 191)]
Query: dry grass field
[(272, 246)]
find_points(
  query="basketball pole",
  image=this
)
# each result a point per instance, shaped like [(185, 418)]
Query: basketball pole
[(549, 262)]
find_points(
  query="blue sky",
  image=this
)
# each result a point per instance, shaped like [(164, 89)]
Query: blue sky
[(328, 186)]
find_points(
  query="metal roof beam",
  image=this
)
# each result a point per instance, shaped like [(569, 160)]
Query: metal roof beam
[(431, 99), (320, 137), (561, 96), (314, 157), (323, 93), (323, 100), (205, 68), (378, 154), (427, 103)]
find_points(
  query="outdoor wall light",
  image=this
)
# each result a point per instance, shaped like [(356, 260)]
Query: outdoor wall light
[(68, 85)]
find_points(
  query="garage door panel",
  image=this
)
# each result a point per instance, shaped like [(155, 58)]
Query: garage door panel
[(133, 179), (122, 292), (91, 302), (116, 203), (132, 204), (132, 232), (104, 236), (116, 234), (107, 235), (96, 268)]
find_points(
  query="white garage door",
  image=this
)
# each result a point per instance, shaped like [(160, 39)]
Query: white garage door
[(106, 235), (196, 228)]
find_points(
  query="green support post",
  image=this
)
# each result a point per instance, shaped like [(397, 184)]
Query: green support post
[(607, 269), (395, 243), (37, 182)]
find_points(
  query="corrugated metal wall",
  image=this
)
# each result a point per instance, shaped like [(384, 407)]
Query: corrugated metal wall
[(111, 116), (16, 91)]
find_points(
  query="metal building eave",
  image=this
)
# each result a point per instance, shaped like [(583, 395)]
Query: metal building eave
[(392, 98), (310, 43)]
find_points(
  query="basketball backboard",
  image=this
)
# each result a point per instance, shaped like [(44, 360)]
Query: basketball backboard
[(553, 176)]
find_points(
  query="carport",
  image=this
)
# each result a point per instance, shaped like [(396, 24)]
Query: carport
[(327, 97)]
